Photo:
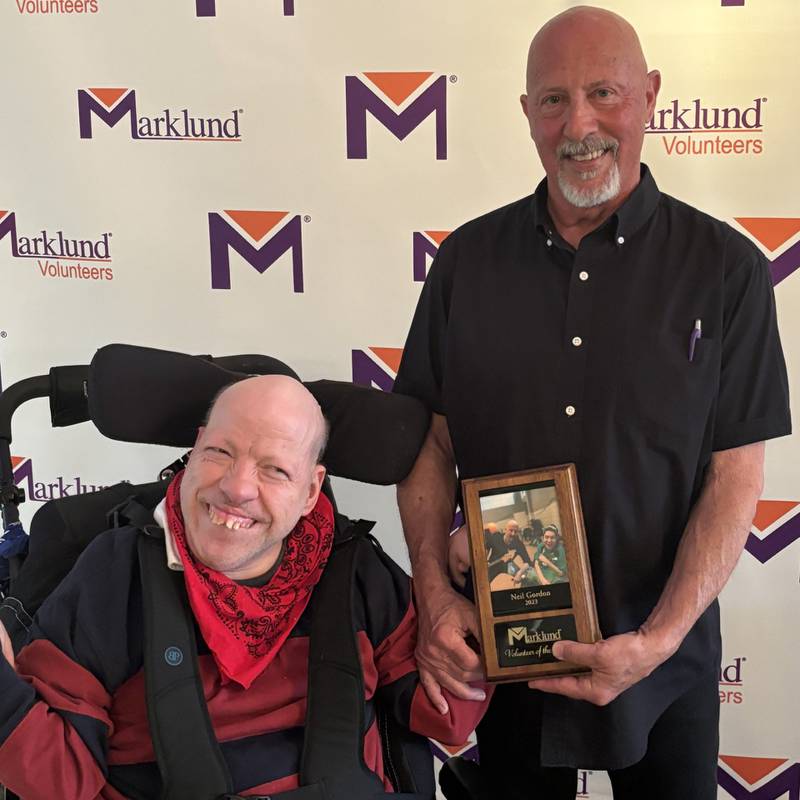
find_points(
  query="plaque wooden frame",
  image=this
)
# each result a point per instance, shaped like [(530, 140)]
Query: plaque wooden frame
[(536, 614)]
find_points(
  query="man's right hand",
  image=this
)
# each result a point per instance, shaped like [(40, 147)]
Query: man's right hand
[(5, 645), (444, 659)]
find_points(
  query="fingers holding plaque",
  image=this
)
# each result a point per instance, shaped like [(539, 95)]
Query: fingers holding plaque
[(531, 570)]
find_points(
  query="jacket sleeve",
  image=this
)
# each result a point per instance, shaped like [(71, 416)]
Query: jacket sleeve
[(55, 709), (394, 620)]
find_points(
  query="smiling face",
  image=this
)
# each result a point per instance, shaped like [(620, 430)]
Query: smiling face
[(511, 530), (549, 539), (252, 474), (589, 97)]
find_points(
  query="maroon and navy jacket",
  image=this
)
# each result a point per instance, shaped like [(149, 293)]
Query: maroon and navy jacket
[(73, 721)]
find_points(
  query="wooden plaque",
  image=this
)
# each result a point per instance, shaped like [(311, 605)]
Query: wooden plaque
[(530, 568)]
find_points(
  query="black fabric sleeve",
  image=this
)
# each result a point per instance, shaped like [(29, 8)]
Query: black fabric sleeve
[(421, 372), (753, 402)]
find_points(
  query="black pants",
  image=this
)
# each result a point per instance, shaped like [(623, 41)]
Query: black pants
[(680, 762)]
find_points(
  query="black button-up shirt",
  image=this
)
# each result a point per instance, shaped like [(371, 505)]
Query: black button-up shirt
[(540, 354)]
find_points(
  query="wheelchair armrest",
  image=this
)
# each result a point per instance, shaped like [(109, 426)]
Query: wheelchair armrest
[(462, 779)]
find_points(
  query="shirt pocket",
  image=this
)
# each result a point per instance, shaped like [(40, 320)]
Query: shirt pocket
[(664, 394)]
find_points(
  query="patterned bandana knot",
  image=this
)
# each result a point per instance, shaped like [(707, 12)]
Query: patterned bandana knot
[(243, 626)]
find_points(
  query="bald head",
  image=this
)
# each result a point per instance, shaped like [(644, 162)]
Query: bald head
[(586, 31), (281, 401)]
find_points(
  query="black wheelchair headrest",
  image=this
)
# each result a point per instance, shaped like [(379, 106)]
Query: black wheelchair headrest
[(140, 394)]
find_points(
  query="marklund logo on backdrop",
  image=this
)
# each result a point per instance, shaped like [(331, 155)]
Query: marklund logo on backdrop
[(774, 233), (746, 778), (208, 8), (731, 684), (376, 367), (776, 525), (41, 491), (257, 250), (409, 104), (425, 246), (111, 105), (58, 255), (698, 128)]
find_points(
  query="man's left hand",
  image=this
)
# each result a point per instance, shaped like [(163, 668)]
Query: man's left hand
[(616, 663)]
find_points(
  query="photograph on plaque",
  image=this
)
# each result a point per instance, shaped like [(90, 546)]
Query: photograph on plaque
[(524, 548), (530, 568)]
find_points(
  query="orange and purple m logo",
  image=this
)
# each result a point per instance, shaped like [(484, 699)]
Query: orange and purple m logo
[(110, 105), (776, 525), (425, 247), (746, 778), (774, 233), (376, 367), (259, 237), (408, 105)]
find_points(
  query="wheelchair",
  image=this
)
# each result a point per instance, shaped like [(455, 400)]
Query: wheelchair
[(143, 395)]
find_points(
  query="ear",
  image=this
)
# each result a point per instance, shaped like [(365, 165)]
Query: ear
[(314, 488), (523, 101), (652, 87)]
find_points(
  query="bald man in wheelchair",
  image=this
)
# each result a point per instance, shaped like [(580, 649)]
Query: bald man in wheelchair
[(250, 529)]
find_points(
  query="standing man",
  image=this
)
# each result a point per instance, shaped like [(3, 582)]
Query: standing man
[(658, 331)]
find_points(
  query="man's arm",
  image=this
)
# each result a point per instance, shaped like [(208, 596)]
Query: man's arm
[(427, 501), (709, 549)]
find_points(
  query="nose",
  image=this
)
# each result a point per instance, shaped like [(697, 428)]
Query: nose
[(239, 484), (581, 120)]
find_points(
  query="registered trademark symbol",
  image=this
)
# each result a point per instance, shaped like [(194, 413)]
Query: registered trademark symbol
[(307, 218), (454, 79), (3, 334), (241, 111)]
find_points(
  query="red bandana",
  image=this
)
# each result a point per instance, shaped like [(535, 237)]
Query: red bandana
[(245, 626)]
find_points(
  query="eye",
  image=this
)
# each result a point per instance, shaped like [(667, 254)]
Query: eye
[(274, 471), (217, 451), (603, 93), (551, 100)]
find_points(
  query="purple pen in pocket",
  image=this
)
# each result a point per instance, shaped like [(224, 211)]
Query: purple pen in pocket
[(697, 332)]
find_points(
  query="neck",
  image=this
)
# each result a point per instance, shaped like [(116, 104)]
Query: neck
[(573, 223)]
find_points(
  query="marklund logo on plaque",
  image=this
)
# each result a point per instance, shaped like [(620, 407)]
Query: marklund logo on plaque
[(111, 105), (376, 367), (746, 778), (259, 237), (701, 128), (425, 246), (60, 255), (400, 101), (776, 235), (776, 525), (42, 491), (208, 8), (731, 683)]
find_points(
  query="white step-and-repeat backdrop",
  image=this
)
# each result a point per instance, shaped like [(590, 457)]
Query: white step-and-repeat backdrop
[(274, 176)]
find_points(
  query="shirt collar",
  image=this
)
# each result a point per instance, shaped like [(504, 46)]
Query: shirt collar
[(173, 558), (625, 221)]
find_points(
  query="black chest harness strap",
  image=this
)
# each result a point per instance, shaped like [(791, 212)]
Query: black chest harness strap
[(189, 758)]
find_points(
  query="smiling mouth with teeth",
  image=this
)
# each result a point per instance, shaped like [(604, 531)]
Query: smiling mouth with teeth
[(588, 156), (230, 521)]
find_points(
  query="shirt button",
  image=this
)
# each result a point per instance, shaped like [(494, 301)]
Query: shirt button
[(583, 275), (620, 240), (549, 242), (569, 411), (577, 341)]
